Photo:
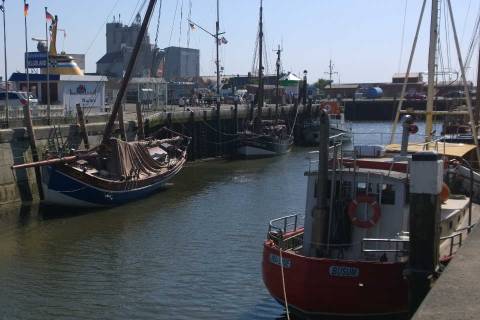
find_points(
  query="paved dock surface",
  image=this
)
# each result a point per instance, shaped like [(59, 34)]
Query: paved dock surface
[(456, 294)]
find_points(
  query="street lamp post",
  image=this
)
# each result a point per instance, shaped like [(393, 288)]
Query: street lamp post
[(2, 7)]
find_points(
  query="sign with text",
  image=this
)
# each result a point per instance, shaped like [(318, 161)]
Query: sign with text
[(35, 59)]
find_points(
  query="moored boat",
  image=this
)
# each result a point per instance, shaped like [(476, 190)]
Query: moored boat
[(133, 170), (116, 171), (349, 255), (338, 126), (263, 138)]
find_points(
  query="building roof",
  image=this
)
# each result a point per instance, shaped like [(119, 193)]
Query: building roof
[(410, 75), (18, 76), (35, 77), (111, 57), (89, 78), (135, 80), (290, 77), (342, 86)]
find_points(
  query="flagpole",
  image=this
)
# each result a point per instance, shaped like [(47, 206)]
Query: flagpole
[(217, 30), (25, 12), (48, 68), (5, 60)]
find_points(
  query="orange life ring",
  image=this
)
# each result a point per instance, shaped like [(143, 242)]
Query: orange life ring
[(352, 211), (445, 193)]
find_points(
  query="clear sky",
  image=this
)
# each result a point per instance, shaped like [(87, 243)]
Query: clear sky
[(362, 37)]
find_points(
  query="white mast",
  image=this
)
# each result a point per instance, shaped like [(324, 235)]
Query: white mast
[(431, 71)]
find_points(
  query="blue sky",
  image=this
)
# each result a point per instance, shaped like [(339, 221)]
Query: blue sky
[(363, 38)]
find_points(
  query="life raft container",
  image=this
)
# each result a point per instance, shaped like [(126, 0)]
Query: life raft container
[(352, 211)]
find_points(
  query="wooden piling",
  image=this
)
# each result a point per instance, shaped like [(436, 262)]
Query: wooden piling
[(121, 124), (83, 129), (235, 117), (140, 130), (191, 132), (218, 146), (33, 147)]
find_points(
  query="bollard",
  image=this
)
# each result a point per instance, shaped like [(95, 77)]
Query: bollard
[(426, 179)]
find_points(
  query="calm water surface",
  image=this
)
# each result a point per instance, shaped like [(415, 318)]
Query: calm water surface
[(192, 251)]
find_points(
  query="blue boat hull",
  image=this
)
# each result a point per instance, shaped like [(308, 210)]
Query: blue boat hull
[(62, 189)]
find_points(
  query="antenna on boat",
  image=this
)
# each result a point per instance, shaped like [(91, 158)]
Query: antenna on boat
[(128, 73), (330, 72)]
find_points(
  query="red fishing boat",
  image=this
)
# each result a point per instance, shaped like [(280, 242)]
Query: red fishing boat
[(348, 256)]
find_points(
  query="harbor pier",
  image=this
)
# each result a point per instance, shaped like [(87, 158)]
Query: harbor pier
[(213, 135)]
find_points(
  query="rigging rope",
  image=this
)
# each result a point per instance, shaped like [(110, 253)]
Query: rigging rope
[(283, 284), (101, 27), (403, 37), (158, 23), (189, 18), (180, 25), (473, 40), (173, 24), (133, 13)]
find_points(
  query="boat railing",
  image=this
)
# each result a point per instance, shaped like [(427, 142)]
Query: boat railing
[(287, 231), (336, 151), (459, 234), (398, 246)]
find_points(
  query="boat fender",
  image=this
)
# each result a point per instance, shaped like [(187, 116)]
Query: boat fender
[(352, 211), (445, 193)]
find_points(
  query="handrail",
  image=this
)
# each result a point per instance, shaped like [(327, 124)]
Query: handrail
[(285, 223), (381, 240)]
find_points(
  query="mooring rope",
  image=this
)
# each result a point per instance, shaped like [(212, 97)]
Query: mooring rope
[(283, 285)]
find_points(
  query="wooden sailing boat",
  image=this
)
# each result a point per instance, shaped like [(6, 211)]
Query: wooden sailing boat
[(116, 171), (263, 138)]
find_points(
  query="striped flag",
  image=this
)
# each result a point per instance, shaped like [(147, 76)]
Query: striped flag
[(48, 16), (25, 9)]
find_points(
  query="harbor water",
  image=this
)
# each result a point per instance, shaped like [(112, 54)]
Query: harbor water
[(192, 251)]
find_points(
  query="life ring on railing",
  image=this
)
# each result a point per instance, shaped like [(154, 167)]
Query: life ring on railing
[(445, 193), (352, 211)]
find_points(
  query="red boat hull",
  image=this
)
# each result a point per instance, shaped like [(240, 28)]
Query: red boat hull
[(319, 286)]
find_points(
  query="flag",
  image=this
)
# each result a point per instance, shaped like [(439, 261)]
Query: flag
[(25, 9), (192, 26), (48, 16)]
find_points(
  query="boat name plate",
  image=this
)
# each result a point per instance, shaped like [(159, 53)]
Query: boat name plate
[(275, 259), (344, 271)]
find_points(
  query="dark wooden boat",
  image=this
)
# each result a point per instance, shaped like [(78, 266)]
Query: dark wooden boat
[(116, 171)]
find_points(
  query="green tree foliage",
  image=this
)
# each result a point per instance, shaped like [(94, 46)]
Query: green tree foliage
[(322, 83)]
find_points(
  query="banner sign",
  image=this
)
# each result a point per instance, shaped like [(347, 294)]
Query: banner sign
[(35, 59)]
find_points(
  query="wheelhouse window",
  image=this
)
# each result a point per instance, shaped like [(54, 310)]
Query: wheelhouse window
[(388, 194)]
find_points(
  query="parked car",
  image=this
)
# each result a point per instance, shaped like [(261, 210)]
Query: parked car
[(455, 94), (16, 99), (415, 96)]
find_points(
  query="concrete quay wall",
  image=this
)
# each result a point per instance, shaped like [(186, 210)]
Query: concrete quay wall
[(211, 136)]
